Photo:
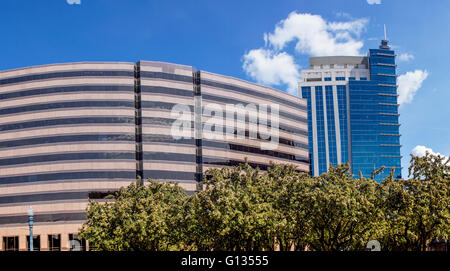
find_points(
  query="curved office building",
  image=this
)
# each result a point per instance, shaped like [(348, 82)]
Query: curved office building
[(79, 131)]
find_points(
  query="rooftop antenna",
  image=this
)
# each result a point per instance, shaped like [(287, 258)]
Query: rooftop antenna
[(384, 43)]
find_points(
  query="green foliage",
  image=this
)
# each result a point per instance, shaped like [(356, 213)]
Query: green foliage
[(139, 219), (245, 209), (345, 211), (417, 210)]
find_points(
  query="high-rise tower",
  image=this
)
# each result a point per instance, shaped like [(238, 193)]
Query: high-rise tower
[(353, 112)]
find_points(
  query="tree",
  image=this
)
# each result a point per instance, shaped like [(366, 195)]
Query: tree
[(233, 212), (345, 211), (417, 210), (140, 218), (289, 189)]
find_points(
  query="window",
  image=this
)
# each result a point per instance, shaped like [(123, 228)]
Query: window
[(11, 243), (340, 78), (54, 242), (36, 243), (352, 78), (363, 78), (76, 243), (327, 79)]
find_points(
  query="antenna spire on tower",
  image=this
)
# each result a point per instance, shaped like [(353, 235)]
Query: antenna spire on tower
[(384, 43)]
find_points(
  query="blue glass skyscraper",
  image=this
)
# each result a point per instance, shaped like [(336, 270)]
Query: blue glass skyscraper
[(353, 112)]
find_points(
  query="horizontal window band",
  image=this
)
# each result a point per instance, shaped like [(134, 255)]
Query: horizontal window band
[(388, 145), (167, 90), (166, 76), (157, 138), (68, 139), (161, 121), (395, 135), (281, 126), (68, 157), (389, 114), (166, 156), (169, 175), (281, 140), (80, 195), (234, 101), (231, 163), (389, 55), (386, 65), (67, 121), (387, 94), (255, 93), (391, 156), (253, 150), (387, 75), (66, 74), (68, 105), (43, 218), (68, 89), (389, 124), (385, 104), (162, 105), (55, 196), (60, 176), (387, 85)]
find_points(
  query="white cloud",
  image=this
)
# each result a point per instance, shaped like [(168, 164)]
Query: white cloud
[(372, 2), (272, 68), (315, 36), (405, 57), (71, 2), (312, 35), (409, 84), (422, 150)]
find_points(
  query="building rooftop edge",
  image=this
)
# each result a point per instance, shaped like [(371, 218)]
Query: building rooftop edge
[(253, 83), (327, 60), (66, 63)]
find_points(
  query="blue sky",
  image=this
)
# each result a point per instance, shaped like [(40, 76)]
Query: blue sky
[(227, 37)]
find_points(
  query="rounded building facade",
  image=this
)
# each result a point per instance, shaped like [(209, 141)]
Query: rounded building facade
[(79, 131)]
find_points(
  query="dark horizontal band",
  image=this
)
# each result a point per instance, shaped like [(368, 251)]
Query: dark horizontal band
[(162, 105), (215, 161), (165, 156), (68, 139), (166, 76), (167, 90), (67, 74), (67, 104), (67, 157), (67, 122), (169, 175), (61, 176), (41, 218), (70, 89), (161, 121), (253, 150), (157, 138), (55, 196)]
